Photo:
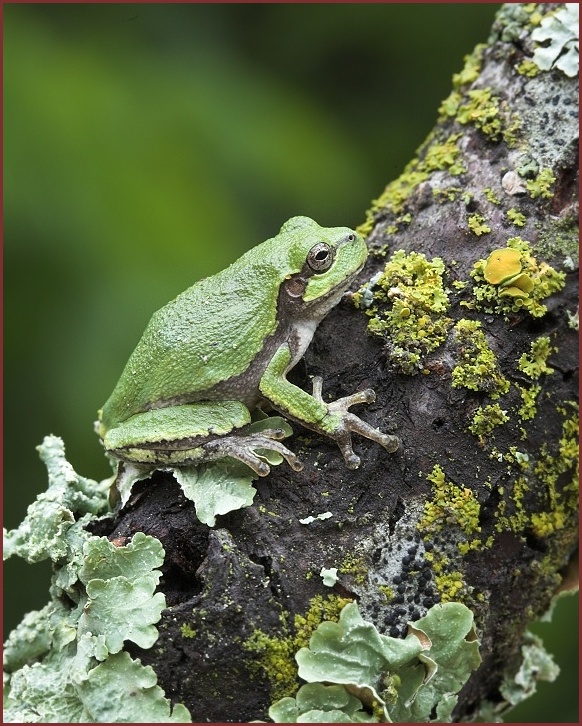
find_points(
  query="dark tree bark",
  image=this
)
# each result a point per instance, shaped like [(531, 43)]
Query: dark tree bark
[(477, 505)]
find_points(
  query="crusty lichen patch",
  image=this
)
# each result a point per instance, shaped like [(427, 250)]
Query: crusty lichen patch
[(477, 368), (409, 309), (437, 153)]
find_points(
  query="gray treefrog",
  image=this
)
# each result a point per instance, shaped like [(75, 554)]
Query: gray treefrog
[(224, 347)]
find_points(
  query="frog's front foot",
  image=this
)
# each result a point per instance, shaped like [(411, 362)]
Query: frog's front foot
[(244, 448), (346, 423)]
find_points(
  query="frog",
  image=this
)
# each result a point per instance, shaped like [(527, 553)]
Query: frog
[(218, 355)]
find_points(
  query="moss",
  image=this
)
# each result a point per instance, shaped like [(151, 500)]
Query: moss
[(515, 217), (535, 282), (487, 418), (477, 369), (276, 653), (409, 309), (534, 364), (540, 186), (478, 224)]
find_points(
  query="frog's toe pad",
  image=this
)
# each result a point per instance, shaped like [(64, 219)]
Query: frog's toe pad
[(244, 448)]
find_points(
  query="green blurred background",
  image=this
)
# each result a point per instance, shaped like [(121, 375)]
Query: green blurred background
[(147, 146)]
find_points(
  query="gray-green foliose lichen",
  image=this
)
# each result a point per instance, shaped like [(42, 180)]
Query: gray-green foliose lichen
[(396, 679), (66, 662)]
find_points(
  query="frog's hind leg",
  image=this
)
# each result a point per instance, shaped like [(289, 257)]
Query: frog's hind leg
[(246, 448)]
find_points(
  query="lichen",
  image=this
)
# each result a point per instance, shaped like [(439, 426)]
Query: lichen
[(486, 418), (491, 196), (450, 504), (187, 631), (528, 408), (534, 364), (553, 498), (540, 186), (397, 679), (561, 29), (521, 288), (513, 20), (409, 309), (527, 68), (471, 69), (478, 224), (515, 217), (435, 154), (477, 369), (355, 566), (273, 654), (103, 594), (482, 111)]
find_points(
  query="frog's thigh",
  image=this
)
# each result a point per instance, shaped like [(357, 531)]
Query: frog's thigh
[(174, 423)]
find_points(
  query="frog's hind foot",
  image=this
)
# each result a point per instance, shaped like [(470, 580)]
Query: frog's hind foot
[(247, 449)]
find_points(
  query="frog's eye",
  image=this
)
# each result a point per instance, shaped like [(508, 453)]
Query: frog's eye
[(320, 257)]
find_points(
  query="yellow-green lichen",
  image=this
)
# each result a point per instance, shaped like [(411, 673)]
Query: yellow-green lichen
[(275, 654), (187, 631), (491, 196), (511, 279), (515, 217), (478, 224), (540, 186), (450, 585), (481, 108), (355, 566), (528, 68), (477, 369), (486, 418), (387, 591), (534, 364), (450, 505), (482, 111), (409, 308), (554, 506), (471, 69), (470, 72), (528, 408), (434, 155)]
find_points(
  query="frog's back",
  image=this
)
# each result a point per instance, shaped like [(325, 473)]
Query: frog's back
[(210, 332)]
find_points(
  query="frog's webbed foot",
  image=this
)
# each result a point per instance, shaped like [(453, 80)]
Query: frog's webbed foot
[(244, 446), (349, 423)]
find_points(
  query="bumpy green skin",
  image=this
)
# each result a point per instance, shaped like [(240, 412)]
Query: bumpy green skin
[(210, 356)]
